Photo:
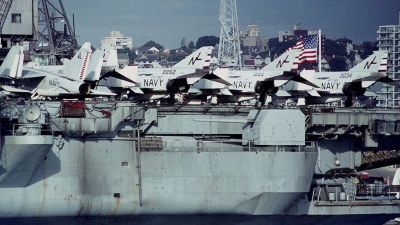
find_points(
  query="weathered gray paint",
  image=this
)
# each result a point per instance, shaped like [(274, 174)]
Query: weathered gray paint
[(205, 167)]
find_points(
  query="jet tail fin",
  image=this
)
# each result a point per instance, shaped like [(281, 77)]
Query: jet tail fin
[(110, 58), (376, 62), (12, 64), (199, 59), (95, 64), (77, 68), (284, 62)]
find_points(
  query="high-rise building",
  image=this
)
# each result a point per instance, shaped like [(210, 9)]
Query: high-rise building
[(251, 37), (295, 34), (389, 40), (117, 40)]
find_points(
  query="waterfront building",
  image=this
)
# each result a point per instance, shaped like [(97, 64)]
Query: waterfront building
[(117, 40), (389, 39)]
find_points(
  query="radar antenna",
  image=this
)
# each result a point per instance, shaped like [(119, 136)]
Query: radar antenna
[(229, 53)]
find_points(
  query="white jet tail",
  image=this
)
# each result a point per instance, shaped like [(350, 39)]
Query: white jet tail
[(95, 64), (110, 58), (77, 68), (376, 62), (12, 64), (285, 62), (199, 59)]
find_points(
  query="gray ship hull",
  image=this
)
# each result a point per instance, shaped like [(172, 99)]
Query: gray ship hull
[(20, 158), (101, 178), (131, 161)]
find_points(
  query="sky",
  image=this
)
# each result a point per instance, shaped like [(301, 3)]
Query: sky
[(167, 22)]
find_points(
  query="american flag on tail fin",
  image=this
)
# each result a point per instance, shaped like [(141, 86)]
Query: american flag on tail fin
[(308, 47)]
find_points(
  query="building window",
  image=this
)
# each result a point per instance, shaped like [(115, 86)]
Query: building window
[(16, 18)]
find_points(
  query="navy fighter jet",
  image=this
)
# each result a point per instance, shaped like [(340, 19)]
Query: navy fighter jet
[(362, 80), (156, 83), (246, 85), (60, 82)]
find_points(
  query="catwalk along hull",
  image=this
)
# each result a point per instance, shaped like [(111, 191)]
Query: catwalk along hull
[(102, 177)]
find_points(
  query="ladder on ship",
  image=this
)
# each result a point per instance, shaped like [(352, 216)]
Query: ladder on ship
[(5, 6)]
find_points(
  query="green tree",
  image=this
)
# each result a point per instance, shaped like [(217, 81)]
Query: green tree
[(183, 42), (337, 64), (191, 46), (277, 48), (175, 57), (207, 41), (131, 53), (154, 44), (334, 48), (368, 50), (352, 58)]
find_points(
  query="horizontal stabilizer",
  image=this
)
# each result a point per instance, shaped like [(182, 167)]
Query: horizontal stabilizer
[(101, 93), (205, 74), (192, 78), (56, 91), (117, 75), (216, 78), (370, 94), (13, 89), (302, 80), (225, 91), (376, 77), (33, 75), (288, 76), (219, 75), (313, 93), (389, 81), (136, 90), (194, 91), (282, 93)]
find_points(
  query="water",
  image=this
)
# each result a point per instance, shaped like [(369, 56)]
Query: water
[(204, 220)]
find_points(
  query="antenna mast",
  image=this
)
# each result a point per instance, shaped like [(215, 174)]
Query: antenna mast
[(229, 53), (56, 38)]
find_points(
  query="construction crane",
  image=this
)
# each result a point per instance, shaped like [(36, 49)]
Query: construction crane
[(56, 38), (229, 53)]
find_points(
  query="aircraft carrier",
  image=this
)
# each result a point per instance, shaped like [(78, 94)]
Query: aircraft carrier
[(108, 158)]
